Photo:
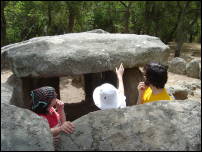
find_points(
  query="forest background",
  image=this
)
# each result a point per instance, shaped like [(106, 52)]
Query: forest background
[(178, 21)]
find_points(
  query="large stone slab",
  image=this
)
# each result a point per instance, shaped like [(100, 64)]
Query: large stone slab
[(158, 126), (82, 53)]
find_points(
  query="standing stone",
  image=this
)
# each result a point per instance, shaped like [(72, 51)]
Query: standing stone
[(4, 60), (6, 93), (131, 79), (192, 68), (177, 65), (17, 97), (93, 80), (22, 87)]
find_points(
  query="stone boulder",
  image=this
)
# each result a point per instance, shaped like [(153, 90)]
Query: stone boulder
[(157, 126), (192, 68), (177, 65), (184, 89), (6, 93), (82, 53), (21, 129), (17, 98), (179, 92), (4, 61)]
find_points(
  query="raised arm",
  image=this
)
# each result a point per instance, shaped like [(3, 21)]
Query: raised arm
[(119, 73), (60, 110), (65, 126)]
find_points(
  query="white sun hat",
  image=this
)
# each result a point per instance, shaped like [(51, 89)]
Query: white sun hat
[(107, 96)]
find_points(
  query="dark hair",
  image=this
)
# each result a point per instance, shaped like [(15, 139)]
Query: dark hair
[(156, 74), (41, 99), (41, 109)]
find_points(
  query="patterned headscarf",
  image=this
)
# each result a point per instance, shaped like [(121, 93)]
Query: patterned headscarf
[(42, 96)]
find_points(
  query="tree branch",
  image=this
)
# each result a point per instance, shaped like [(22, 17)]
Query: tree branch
[(123, 4)]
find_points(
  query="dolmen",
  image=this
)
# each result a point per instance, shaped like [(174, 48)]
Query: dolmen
[(94, 55), (162, 125)]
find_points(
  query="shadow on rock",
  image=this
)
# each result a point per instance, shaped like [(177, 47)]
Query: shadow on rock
[(74, 111)]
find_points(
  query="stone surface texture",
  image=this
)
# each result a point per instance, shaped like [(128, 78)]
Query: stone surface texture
[(6, 93), (21, 129), (161, 125), (193, 68), (177, 65), (81, 53)]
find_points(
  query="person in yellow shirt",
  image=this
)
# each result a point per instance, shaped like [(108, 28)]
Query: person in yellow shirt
[(152, 89)]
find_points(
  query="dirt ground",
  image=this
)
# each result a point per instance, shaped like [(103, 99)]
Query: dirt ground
[(72, 92)]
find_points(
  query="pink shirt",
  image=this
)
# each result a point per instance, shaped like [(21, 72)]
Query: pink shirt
[(53, 118)]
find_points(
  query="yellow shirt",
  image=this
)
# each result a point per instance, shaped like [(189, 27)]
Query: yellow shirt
[(149, 97)]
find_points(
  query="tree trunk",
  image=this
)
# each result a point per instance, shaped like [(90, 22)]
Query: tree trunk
[(147, 17), (180, 33), (72, 9), (3, 24), (49, 19), (191, 33), (127, 16), (190, 38), (178, 48), (71, 22), (111, 23), (179, 39)]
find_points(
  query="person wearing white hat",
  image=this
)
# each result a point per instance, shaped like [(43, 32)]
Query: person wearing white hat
[(107, 96)]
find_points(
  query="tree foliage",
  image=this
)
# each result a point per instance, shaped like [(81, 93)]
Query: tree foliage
[(178, 21)]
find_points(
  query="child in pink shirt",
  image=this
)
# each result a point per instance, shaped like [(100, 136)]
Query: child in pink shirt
[(44, 100)]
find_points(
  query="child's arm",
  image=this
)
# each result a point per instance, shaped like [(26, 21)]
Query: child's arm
[(60, 110), (141, 88), (119, 73), (67, 127), (139, 100), (55, 131), (62, 116)]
